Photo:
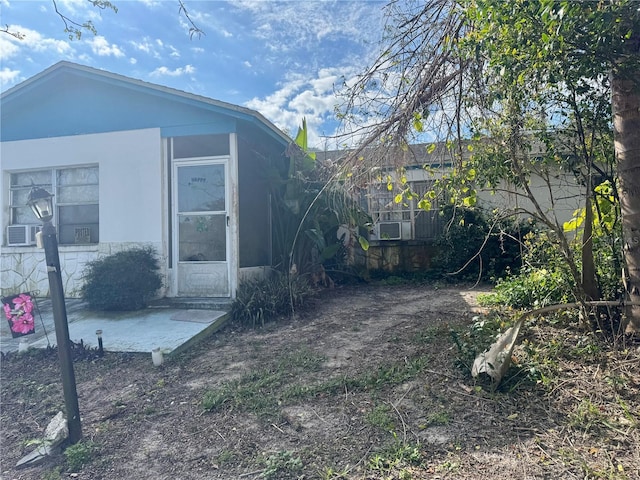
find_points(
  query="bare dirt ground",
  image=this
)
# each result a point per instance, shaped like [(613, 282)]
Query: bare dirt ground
[(361, 385)]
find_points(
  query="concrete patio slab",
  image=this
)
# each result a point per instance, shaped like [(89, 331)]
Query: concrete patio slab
[(168, 329)]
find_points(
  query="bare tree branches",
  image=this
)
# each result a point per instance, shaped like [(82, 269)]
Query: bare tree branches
[(193, 29), (412, 79), (15, 34), (75, 29)]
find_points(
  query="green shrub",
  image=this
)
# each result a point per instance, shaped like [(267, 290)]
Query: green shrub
[(126, 280), (476, 246), (262, 300), (545, 278)]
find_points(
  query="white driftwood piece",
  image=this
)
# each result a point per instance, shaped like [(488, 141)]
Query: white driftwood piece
[(497, 360)]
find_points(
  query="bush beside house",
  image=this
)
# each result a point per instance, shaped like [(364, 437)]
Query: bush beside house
[(126, 280)]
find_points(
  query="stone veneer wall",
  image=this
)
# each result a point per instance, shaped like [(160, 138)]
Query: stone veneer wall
[(400, 256), (23, 269)]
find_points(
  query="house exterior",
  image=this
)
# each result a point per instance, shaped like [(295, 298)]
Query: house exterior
[(135, 164), (402, 234)]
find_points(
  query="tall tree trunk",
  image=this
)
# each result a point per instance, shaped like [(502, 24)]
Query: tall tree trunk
[(626, 125)]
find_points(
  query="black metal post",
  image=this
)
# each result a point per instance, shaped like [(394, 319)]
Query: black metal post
[(50, 243), (100, 347)]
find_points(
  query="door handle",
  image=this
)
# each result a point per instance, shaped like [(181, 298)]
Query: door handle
[(227, 220)]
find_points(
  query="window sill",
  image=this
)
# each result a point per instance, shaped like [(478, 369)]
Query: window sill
[(61, 248), (79, 248)]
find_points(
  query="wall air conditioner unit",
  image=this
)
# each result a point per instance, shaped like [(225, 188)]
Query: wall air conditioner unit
[(22, 235), (391, 231)]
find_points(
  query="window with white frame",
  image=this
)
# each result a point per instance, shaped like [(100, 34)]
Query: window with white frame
[(425, 225), (382, 205), (76, 199)]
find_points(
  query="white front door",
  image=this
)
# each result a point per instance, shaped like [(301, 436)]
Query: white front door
[(201, 238)]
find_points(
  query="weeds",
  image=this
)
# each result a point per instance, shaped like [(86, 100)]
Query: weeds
[(55, 474), (441, 417), (259, 391), (79, 454), (380, 417), (586, 415), (397, 456), (475, 339), (329, 473), (226, 456), (281, 465), (263, 300), (369, 381), (263, 391)]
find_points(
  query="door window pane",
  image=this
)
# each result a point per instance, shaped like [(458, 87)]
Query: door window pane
[(201, 188), (202, 238)]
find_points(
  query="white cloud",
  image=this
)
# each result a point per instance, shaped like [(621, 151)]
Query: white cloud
[(72, 6), (174, 52), (32, 41), (300, 96), (8, 76), (85, 58), (155, 48), (8, 48), (287, 25), (247, 64), (101, 47), (145, 45), (177, 72), (79, 10)]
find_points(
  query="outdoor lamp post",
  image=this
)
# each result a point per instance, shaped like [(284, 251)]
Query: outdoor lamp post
[(41, 202)]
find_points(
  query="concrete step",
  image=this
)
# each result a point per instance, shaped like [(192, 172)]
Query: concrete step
[(192, 303)]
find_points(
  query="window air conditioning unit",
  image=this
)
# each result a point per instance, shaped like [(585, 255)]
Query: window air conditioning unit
[(389, 231), (22, 235)]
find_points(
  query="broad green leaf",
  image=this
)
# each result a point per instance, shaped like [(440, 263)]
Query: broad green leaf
[(364, 243), (330, 251), (573, 224)]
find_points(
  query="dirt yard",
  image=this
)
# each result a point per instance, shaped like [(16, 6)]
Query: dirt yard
[(362, 385)]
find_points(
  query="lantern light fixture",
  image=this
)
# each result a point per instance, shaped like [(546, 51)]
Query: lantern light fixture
[(41, 202)]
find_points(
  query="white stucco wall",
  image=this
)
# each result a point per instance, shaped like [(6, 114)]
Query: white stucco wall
[(558, 199), (131, 200)]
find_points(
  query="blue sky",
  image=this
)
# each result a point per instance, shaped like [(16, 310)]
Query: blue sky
[(280, 58)]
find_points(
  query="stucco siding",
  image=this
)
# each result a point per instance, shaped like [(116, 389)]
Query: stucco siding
[(130, 200)]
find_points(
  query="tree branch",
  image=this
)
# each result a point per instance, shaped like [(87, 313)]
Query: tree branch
[(15, 34), (193, 29)]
